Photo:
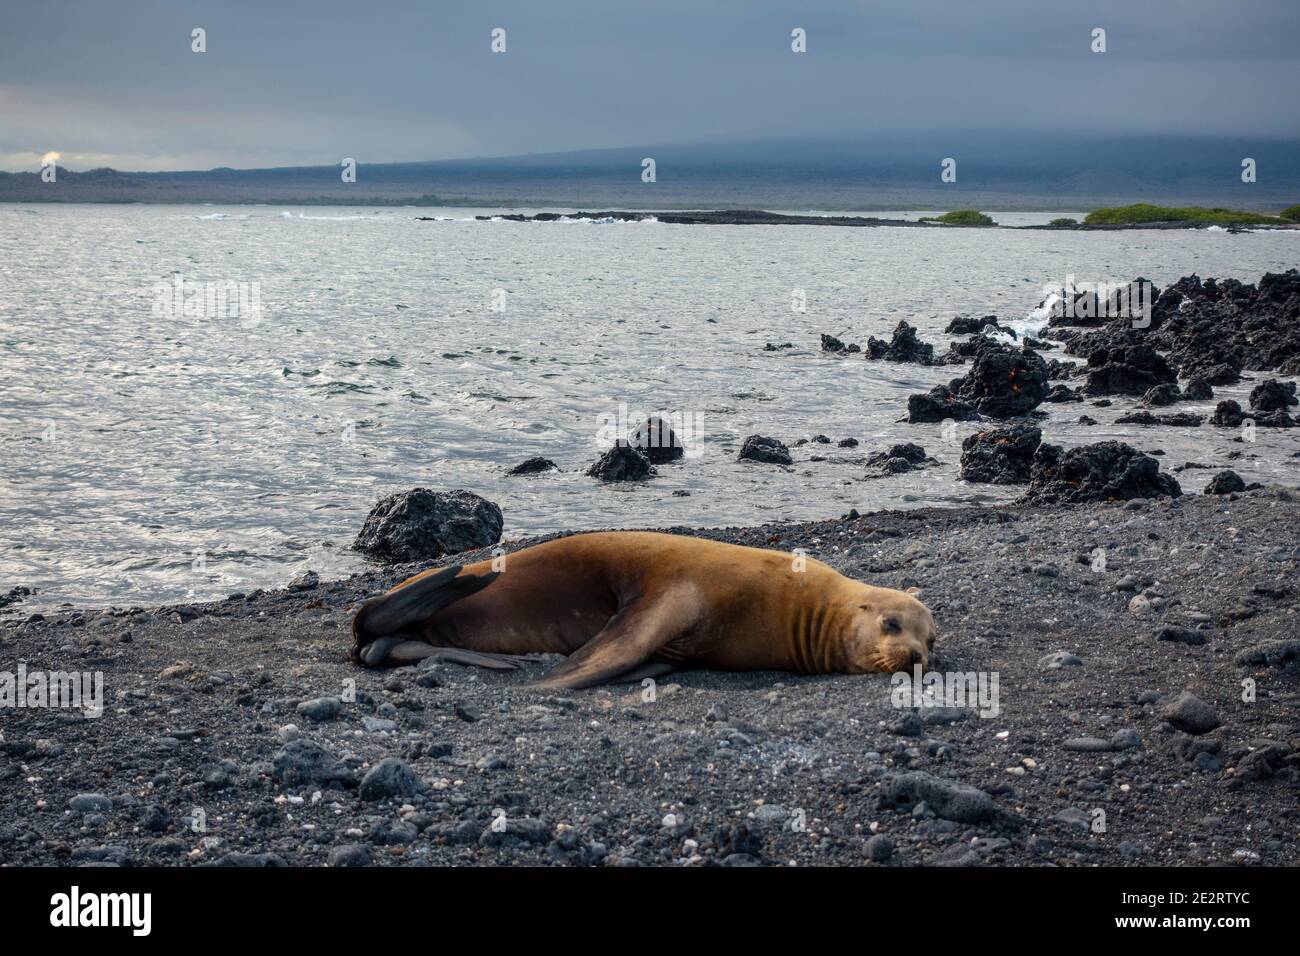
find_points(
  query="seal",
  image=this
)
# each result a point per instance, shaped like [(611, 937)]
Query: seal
[(624, 605)]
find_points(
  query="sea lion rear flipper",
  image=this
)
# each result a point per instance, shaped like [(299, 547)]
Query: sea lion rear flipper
[(409, 604), (625, 644)]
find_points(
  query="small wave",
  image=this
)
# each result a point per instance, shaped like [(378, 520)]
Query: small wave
[(303, 216)]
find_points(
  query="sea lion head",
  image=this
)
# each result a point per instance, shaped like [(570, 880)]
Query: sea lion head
[(888, 631)]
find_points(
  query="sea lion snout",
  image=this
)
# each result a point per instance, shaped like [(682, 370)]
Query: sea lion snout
[(890, 631)]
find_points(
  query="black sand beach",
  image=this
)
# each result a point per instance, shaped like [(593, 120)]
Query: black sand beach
[(195, 762)]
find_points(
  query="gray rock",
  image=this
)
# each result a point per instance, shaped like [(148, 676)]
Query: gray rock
[(390, 778), (526, 830), (305, 762), (304, 581), (1074, 817), (908, 726), (771, 815), (421, 524), (350, 854), (1181, 635), (249, 860), (1270, 654), (1087, 745), (90, 803), (879, 848), (393, 833), (1126, 739), (1207, 763), (1189, 713), (1060, 659), (321, 708), (950, 800)]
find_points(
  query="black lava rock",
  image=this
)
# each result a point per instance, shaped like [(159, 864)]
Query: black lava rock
[(899, 458), (1181, 419), (622, 463), (421, 524), (1127, 370), (1225, 483), (656, 439), (1062, 393), (1004, 382), (768, 450), (1000, 456), (533, 466), (1197, 389), (970, 325), (1227, 414), (937, 404), (1272, 395), (1162, 395), (1104, 471), (904, 346)]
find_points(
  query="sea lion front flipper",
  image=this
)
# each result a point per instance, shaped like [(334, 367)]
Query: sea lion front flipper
[(626, 643)]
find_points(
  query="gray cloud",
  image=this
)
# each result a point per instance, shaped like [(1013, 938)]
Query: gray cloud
[(296, 82)]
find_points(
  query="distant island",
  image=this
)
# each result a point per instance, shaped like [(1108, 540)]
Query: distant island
[(994, 171), (1129, 217)]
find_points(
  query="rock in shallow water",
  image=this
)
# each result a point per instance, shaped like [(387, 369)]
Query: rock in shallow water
[(622, 463), (1272, 395), (656, 439), (1003, 383), (768, 450), (903, 346), (421, 524), (533, 466)]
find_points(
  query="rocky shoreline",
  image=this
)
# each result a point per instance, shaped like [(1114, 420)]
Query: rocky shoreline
[(1124, 636), (759, 217)]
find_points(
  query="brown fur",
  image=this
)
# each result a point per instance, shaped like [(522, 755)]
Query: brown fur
[(615, 601)]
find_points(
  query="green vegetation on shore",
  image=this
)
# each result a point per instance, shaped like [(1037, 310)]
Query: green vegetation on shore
[(1291, 214), (1143, 212), (1064, 221), (962, 217)]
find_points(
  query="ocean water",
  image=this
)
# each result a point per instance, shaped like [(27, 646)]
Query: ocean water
[(150, 455)]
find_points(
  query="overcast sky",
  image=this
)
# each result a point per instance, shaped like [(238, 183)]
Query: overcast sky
[(307, 82)]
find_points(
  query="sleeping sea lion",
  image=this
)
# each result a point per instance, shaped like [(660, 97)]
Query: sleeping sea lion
[(624, 605)]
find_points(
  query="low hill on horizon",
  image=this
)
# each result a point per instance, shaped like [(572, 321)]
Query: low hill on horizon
[(1002, 171)]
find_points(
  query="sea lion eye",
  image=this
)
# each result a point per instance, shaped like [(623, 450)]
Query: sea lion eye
[(889, 625)]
